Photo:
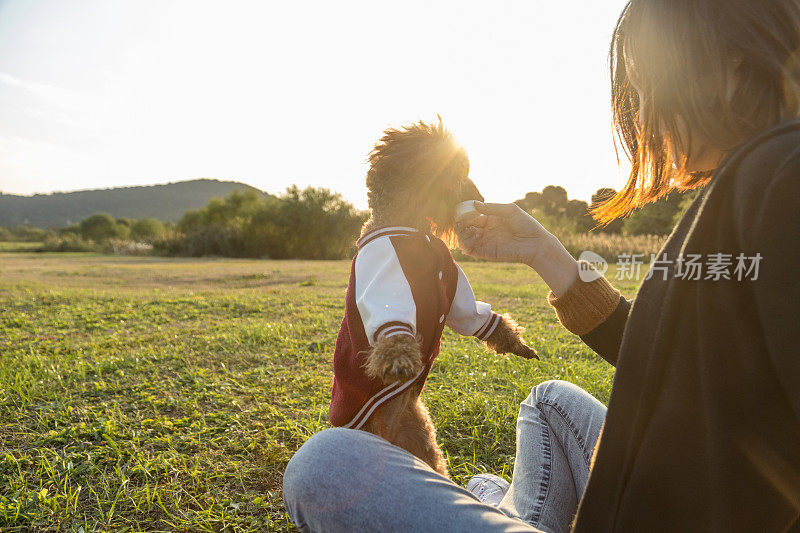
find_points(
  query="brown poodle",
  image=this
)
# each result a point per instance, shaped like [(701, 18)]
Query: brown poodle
[(405, 287)]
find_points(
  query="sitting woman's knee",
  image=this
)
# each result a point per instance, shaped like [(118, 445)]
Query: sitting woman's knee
[(323, 452), (553, 390), (332, 472)]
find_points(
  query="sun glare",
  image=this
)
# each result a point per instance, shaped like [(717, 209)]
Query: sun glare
[(274, 95)]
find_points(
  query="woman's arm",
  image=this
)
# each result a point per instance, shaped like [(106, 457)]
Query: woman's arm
[(597, 313), (594, 310)]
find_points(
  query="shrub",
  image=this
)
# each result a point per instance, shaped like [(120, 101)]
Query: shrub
[(302, 224), (659, 217), (147, 230), (69, 242), (191, 220), (558, 225), (211, 240), (233, 211), (684, 204), (100, 227), (22, 234), (123, 232), (308, 224), (553, 205)]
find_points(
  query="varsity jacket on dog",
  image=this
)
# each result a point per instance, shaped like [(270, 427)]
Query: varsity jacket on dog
[(402, 282)]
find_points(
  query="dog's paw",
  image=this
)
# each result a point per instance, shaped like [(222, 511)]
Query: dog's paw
[(507, 338), (397, 358), (525, 351)]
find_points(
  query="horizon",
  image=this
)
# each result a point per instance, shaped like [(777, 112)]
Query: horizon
[(221, 180), (104, 94)]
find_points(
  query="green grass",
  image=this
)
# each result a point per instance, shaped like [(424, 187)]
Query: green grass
[(169, 394)]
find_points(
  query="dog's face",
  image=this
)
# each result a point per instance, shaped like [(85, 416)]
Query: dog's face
[(420, 172)]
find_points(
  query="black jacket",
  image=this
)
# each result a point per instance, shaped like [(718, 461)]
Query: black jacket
[(703, 425)]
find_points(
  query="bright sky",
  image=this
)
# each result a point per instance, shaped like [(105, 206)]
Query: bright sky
[(105, 93)]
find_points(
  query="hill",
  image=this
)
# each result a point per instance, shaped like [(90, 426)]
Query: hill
[(165, 202)]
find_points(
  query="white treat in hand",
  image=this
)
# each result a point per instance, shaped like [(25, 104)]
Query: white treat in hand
[(465, 209)]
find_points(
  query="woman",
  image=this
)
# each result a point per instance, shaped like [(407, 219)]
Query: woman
[(702, 431)]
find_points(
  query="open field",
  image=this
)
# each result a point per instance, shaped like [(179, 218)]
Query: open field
[(168, 394)]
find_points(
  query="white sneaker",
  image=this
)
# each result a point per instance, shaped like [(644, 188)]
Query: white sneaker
[(489, 488)]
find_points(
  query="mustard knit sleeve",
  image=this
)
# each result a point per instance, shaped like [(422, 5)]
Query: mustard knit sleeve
[(585, 305)]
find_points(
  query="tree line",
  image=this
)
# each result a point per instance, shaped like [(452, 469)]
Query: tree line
[(300, 224), (97, 228), (558, 213), (312, 223)]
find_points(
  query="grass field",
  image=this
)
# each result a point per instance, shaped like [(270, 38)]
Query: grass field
[(168, 394)]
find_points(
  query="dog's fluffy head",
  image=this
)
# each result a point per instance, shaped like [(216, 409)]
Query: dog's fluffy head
[(419, 173)]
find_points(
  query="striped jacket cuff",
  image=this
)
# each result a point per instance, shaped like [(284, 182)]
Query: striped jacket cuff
[(488, 327), (390, 329)]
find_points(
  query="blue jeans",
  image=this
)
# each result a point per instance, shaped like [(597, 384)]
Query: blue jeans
[(344, 480)]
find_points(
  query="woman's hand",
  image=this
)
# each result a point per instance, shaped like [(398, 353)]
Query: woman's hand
[(504, 232), (501, 232)]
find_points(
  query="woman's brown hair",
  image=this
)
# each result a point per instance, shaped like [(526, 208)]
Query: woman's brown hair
[(690, 72)]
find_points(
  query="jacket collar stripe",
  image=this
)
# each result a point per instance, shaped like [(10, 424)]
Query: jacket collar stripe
[(384, 232)]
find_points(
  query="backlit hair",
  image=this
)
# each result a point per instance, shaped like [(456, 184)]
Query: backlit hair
[(419, 172), (721, 70)]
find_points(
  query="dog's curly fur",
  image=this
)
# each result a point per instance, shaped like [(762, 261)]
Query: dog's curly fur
[(417, 176), (394, 359)]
